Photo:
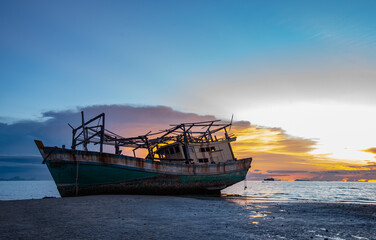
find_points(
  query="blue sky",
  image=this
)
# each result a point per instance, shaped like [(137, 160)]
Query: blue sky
[(304, 66), (55, 55)]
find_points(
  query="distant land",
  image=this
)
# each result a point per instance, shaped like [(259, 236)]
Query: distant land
[(17, 178), (23, 168)]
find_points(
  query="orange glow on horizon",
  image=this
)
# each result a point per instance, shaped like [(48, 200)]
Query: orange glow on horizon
[(283, 157)]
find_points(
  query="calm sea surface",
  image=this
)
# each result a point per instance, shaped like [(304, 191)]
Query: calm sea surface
[(353, 192), (356, 192)]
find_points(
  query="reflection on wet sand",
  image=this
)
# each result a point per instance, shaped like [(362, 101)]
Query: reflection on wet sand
[(169, 217), (307, 220)]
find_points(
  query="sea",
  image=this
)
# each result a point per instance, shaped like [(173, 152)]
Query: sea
[(311, 191)]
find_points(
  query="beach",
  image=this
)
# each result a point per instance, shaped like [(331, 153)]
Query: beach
[(171, 217)]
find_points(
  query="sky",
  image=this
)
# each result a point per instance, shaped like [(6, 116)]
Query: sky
[(300, 74)]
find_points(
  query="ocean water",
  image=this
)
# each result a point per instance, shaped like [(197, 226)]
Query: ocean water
[(314, 191), (352, 192), (19, 190)]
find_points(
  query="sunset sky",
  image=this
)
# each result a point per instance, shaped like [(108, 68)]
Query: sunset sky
[(299, 76)]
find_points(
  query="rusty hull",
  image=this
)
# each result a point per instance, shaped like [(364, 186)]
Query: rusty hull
[(78, 172)]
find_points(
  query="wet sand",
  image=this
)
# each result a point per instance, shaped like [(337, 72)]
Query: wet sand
[(168, 217)]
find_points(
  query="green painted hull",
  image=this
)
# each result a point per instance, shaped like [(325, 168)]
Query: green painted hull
[(102, 179)]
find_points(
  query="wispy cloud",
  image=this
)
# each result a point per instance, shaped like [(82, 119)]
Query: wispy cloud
[(346, 26), (371, 150), (343, 175), (288, 172)]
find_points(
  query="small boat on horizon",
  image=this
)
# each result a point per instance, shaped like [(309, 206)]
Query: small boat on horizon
[(269, 179), (188, 158)]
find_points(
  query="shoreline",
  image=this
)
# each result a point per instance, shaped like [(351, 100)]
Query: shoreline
[(237, 197), (183, 217)]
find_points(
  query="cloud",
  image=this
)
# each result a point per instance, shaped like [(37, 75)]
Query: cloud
[(271, 143), (272, 80), (371, 150), (287, 171), (17, 138), (20, 157), (282, 156), (258, 176), (275, 153), (372, 167), (331, 27), (340, 175), (369, 166)]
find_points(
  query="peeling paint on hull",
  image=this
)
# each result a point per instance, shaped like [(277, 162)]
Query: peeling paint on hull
[(86, 173)]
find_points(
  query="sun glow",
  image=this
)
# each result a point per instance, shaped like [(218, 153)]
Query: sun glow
[(341, 131), (281, 156)]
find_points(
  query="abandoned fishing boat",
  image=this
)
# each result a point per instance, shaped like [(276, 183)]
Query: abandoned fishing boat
[(188, 158)]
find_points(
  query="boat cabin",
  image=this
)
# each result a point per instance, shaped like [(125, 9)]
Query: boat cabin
[(199, 153)]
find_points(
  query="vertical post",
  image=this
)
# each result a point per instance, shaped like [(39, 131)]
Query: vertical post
[(73, 139), (211, 137), (186, 143), (226, 135), (84, 131), (229, 145), (117, 150), (150, 150)]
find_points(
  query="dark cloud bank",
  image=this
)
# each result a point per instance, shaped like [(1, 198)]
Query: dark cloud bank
[(18, 138)]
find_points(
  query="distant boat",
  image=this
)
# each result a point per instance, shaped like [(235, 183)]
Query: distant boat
[(269, 179), (188, 158)]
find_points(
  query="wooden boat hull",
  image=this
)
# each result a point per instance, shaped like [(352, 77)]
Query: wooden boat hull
[(86, 173)]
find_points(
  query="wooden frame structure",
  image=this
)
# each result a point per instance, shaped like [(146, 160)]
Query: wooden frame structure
[(93, 131)]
